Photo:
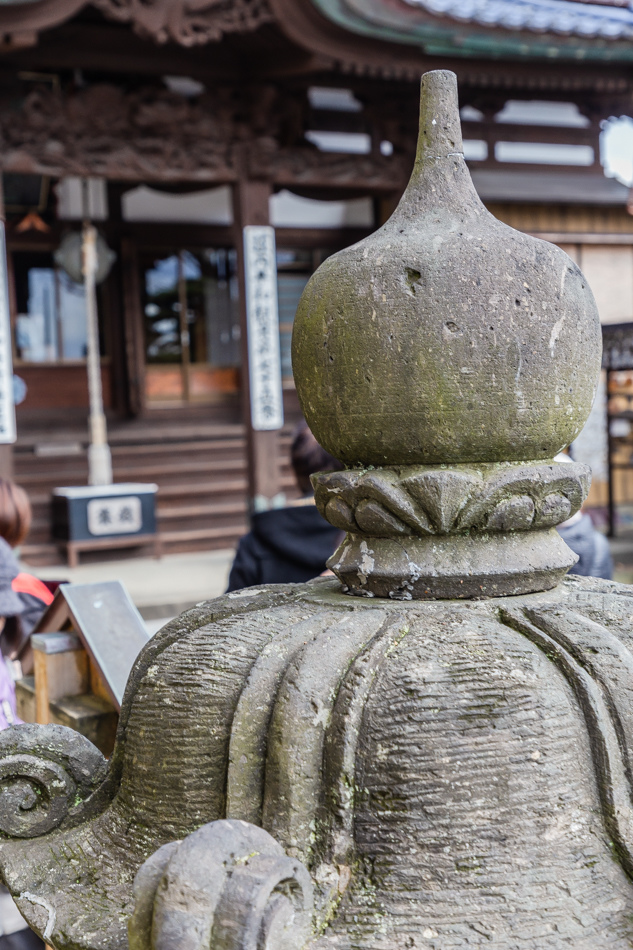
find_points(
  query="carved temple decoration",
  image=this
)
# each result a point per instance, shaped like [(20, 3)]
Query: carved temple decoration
[(185, 22), (102, 131), (188, 22), (443, 761), (335, 45), (155, 135)]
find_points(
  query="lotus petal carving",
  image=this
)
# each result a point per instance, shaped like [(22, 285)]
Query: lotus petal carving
[(426, 500)]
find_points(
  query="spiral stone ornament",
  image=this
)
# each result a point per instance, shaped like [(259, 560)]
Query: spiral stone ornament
[(47, 775), (228, 886)]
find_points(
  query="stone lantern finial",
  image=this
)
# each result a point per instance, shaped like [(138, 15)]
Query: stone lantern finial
[(446, 359)]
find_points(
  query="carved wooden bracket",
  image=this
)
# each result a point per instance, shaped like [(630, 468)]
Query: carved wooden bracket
[(187, 22), (155, 135)]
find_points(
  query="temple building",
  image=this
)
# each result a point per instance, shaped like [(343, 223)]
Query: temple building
[(174, 125)]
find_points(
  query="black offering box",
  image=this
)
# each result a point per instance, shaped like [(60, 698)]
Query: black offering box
[(92, 517)]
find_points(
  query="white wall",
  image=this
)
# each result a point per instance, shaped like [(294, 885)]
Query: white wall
[(291, 211), (208, 206)]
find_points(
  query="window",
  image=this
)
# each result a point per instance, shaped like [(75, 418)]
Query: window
[(192, 324), (51, 319)]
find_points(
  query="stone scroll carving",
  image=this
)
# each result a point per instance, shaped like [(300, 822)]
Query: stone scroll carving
[(229, 886), (389, 503), (47, 777)]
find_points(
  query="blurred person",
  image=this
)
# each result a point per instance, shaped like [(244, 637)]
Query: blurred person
[(592, 547), (15, 935), (19, 610), (291, 544), (33, 594), (10, 609)]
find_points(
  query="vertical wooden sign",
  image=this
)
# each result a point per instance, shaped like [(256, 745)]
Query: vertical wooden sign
[(262, 313), (7, 407)]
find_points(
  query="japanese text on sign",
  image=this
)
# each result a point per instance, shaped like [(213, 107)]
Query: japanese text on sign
[(7, 409), (263, 328), (114, 515)]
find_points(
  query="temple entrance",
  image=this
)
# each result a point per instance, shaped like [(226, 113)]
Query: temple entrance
[(191, 325)]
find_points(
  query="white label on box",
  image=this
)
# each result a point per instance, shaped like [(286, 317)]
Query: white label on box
[(264, 355), (114, 515)]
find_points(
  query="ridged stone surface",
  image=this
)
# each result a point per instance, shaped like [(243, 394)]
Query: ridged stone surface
[(452, 774)]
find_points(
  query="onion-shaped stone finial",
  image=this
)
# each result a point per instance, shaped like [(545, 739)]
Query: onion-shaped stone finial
[(447, 339), (446, 336)]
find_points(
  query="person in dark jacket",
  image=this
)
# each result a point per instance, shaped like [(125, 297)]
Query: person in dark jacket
[(291, 544), (592, 548)]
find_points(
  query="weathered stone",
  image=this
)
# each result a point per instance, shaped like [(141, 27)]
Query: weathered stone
[(481, 565), (446, 336), (48, 775), (455, 769), (228, 886), (447, 339)]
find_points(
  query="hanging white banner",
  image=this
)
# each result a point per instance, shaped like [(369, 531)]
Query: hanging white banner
[(7, 408), (262, 313)]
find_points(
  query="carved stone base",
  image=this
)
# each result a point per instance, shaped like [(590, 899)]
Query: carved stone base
[(474, 566), (421, 532)]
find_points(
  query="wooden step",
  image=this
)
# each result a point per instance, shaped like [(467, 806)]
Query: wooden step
[(200, 468), (201, 511), (202, 534)]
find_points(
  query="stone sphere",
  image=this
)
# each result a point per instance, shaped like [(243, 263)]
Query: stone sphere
[(446, 336)]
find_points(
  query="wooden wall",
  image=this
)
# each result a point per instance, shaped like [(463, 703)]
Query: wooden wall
[(59, 386), (600, 241)]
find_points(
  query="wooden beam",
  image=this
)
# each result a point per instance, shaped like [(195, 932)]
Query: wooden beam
[(513, 132), (35, 17), (133, 326)]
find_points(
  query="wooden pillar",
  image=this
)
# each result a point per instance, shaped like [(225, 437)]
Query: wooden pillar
[(6, 450), (250, 204), (384, 207), (112, 296), (133, 327)]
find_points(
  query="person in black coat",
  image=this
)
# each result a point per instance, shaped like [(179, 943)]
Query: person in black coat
[(291, 544), (592, 548)]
